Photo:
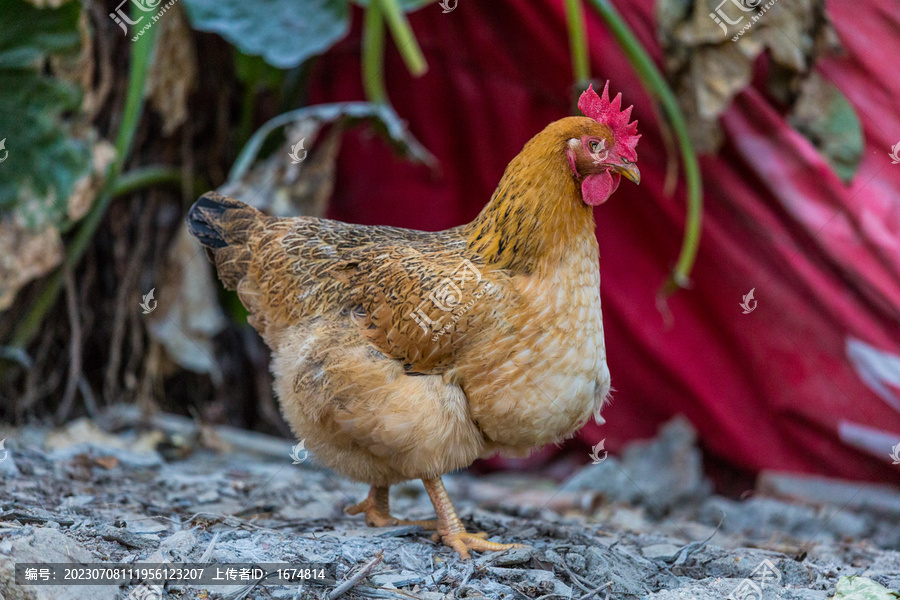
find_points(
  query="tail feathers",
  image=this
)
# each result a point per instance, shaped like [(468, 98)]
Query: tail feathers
[(227, 228), (218, 221)]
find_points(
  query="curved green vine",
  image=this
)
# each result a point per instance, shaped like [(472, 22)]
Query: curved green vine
[(578, 42), (403, 36), (656, 85), (373, 54)]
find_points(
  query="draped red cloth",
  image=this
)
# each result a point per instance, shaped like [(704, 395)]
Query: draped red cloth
[(810, 380)]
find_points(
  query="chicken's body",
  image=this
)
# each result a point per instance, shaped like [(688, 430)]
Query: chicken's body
[(529, 383), (402, 354)]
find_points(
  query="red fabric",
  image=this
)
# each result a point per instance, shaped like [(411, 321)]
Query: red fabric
[(767, 389)]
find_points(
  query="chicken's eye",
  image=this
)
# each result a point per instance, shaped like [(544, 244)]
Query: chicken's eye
[(595, 146)]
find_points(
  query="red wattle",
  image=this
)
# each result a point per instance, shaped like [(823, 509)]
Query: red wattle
[(596, 189)]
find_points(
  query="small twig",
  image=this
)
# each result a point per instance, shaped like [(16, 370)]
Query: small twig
[(353, 581), (596, 591), (95, 99), (121, 309), (75, 348), (207, 554), (17, 355), (575, 579), (34, 390), (470, 570), (400, 593), (692, 547), (299, 589), (90, 401), (389, 593)]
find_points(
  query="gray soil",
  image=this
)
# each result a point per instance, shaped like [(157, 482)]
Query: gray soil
[(641, 525)]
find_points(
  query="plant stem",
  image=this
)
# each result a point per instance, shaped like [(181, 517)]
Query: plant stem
[(656, 84), (248, 106), (352, 111), (373, 54), (403, 37), (145, 177), (578, 42), (141, 55)]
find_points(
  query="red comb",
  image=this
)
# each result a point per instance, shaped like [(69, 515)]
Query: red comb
[(609, 113)]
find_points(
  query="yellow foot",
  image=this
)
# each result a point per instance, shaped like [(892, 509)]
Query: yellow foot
[(462, 542), (450, 529), (378, 513), (374, 517)]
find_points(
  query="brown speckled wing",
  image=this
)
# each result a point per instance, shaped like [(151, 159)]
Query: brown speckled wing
[(414, 295), (423, 306)]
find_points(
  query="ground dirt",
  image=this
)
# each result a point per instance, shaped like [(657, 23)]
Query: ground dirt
[(641, 525)]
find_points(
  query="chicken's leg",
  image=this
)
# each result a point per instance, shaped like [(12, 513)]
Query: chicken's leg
[(450, 529), (378, 512)]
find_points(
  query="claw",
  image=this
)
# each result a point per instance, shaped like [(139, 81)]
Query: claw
[(463, 542), (450, 529)]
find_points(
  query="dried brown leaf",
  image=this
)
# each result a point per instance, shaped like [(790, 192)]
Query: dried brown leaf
[(25, 255), (88, 187), (709, 66), (188, 315), (107, 462), (173, 75)]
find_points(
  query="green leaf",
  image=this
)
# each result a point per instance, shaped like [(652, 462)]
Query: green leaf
[(405, 5), (855, 587), (256, 73), (44, 160), (37, 33), (827, 119), (284, 32)]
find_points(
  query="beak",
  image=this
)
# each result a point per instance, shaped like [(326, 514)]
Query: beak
[(630, 172)]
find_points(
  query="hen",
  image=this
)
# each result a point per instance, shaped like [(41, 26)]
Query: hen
[(402, 354)]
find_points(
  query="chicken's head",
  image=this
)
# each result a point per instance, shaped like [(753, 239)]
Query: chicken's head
[(605, 150)]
